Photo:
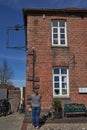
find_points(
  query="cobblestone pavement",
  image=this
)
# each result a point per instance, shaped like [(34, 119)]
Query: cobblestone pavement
[(11, 122), (60, 126), (15, 122)]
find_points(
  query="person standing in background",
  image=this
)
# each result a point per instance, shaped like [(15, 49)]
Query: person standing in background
[(35, 100)]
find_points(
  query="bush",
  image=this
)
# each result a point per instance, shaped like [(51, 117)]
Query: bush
[(57, 105)]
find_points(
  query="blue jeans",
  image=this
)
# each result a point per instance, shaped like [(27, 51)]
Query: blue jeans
[(36, 116)]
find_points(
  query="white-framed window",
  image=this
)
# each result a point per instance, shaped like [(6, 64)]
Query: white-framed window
[(59, 33), (60, 82)]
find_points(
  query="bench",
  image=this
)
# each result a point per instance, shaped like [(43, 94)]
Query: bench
[(74, 108)]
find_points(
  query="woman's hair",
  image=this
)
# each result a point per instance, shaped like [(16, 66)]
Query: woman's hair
[(35, 91)]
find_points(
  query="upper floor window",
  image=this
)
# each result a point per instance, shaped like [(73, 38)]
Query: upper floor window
[(60, 82), (59, 34)]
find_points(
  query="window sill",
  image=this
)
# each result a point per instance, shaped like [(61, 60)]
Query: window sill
[(59, 46), (55, 96)]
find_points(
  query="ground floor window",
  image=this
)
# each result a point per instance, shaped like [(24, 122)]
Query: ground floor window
[(60, 81)]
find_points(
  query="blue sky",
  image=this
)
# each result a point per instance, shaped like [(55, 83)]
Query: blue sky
[(10, 15)]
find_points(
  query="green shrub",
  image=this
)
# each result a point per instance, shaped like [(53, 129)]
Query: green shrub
[(57, 105)]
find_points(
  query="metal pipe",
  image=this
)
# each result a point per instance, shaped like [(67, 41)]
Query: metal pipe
[(33, 67)]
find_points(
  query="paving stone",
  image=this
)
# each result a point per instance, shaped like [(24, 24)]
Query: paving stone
[(61, 126), (11, 122)]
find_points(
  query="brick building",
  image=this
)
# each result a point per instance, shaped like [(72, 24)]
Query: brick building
[(56, 41)]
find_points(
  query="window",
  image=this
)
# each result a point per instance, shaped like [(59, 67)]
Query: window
[(59, 35), (60, 81)]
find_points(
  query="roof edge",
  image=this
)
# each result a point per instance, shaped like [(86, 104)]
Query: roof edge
[(55, 9)]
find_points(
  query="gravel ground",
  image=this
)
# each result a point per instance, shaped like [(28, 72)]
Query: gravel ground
[(11, 122), (61, 126)]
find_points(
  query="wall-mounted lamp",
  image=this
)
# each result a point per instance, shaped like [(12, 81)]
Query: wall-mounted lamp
[(44, 16)]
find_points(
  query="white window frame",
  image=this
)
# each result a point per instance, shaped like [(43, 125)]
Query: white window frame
[(58, 28), (60, 82)]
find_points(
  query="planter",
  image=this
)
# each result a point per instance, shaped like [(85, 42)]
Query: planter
[(58, 114)]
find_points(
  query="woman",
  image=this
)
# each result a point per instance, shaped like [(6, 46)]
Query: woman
[(36, 107)]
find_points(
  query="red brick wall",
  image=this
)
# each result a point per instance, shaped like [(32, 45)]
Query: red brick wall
[(74, 56), (14, 98)]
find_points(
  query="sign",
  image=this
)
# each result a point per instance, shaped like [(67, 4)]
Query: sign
[(83, 90)]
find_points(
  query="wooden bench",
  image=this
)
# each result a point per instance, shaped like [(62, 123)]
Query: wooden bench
[(74, 108)]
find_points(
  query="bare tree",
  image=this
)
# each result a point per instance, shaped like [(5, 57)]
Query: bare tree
[(6, 73)]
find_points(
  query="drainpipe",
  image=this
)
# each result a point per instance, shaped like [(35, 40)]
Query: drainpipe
[(33, 67)]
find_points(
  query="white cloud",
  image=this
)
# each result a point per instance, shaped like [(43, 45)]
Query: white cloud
[(18, 83)]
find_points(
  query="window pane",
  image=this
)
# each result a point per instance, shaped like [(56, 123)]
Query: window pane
[(55, 36), (56, 85), (64, 91), (64, 79), (55, 23), (62, 35), (62, 30), (62, 23), (62, 42), (56, 70), (56, 91), (55, 30), (63, 71), (56, 78), (55, 41), (64, 85)]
